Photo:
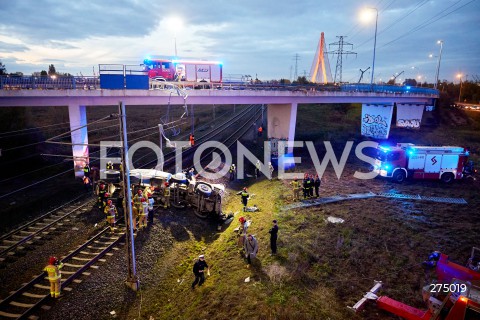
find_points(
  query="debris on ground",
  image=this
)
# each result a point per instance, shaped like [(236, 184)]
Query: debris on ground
[(335, 220)]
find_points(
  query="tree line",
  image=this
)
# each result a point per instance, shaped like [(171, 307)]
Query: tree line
[(51, 72)]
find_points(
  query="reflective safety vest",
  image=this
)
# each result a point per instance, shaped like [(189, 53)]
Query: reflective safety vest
[(109, 166), (260, 129), (147, 192), (86, 169), (295, 184), (53, 272), (86, 180), (244, 194), (232, 168), (110, 211), (166, 192), (137, 200)]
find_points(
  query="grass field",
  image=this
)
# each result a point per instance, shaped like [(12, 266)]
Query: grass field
[(321, 268)]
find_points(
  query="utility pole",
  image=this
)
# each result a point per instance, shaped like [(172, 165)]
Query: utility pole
[(296, 57), (132, 278), (340, 53)]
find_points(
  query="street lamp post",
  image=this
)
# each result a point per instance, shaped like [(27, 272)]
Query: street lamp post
[(440, 42), (460, 92), (374, 46)]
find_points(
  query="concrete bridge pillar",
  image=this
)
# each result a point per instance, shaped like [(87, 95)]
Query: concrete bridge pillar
[(282, 119), (78, 119)]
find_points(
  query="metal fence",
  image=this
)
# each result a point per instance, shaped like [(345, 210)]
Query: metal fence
[(387, 89), (118, 76), (48, 83)]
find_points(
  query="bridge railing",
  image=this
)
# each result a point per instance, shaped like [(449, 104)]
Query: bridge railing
[(48, 83), (134, 77), (388, 89)]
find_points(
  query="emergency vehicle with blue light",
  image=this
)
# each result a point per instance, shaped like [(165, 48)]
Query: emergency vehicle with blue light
[(184, 70), (406, 160)]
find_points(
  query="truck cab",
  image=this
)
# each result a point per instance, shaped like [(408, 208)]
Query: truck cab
[(390, 162)]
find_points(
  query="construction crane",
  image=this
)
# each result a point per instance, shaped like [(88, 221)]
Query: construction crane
[(396, 76), (361, 76)]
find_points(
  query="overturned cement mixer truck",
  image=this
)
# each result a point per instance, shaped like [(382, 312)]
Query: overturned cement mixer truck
[(204, 197)]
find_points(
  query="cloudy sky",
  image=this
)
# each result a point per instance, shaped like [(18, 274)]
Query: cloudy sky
[(259, 37)]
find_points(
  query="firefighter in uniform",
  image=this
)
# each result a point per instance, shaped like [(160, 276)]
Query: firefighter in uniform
[(137, 201), (54, 276), (111, 211), (142, 220), (109, 165), (148, 194), (102, 191), (312, 183), (86, 170), (166, 196), (296, 189), (87, 183), (232, 171), (306, 183), (317, 184), (134, 216), (137, 207), (245, 197)]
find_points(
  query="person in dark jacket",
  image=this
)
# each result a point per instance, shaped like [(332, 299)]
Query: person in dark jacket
[(251, 248), (273, 237), (306, 187), (199, 271), (317, 184), (312, 182)]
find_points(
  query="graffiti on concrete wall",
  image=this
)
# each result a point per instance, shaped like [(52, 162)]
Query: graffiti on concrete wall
[(409, 115), (376, 120), (409, 123)]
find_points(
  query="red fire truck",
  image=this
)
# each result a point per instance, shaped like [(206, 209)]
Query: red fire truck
[(455, 295), (184, 70), (404, 160)]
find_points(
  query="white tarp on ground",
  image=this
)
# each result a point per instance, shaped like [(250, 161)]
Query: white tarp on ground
[(409, 115), (376, 119)]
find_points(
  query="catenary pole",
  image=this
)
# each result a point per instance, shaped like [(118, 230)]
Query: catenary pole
[(132, 278)]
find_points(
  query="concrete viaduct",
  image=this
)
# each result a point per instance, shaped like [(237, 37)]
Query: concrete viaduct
[(282, 104)]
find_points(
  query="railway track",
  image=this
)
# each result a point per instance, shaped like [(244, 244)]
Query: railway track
[(27, 235), (32, 295), (170, 157), (237, 134), (22, 303)]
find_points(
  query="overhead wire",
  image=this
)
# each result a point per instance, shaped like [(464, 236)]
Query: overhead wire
[(30, 172), (22, 130), (69, 170), (429, 21), (34, 184), (395, 22)]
